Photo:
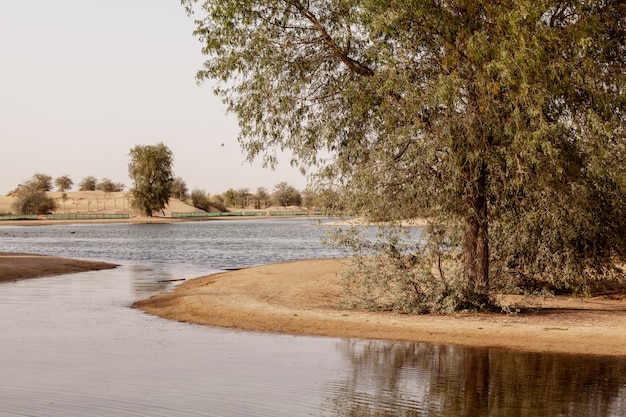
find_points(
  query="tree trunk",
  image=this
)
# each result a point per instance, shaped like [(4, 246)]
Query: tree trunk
[(476, 243)]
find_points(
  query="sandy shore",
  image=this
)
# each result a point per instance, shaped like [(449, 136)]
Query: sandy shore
[(15, 266), (301, 298)]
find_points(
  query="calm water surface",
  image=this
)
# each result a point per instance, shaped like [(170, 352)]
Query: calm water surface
[(71, 346)]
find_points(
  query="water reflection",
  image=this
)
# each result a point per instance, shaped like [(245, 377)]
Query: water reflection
[(147, 281), (413, 379)]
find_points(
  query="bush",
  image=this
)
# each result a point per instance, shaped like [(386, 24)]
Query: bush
[(218, 203), (33, 200), (199, 199), (389, 273), (88, 184), (108, 186), (179, 189)]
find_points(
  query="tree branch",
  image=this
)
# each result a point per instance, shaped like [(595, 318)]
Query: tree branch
[(354, 65)]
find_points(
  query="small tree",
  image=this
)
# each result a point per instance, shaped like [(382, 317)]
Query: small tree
[(286, 195), (308, 198), (243, 194), (230, 197), (42, 182), (108, 186), (150, 169), (217, 201), (261, 198), (179, 189), (88, 184), (32, 199), (63, 183), (199, 199)]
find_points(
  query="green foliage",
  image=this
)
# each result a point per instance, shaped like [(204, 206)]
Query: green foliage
[(390, 272), (32, 199), (41, 182), (261, 198), (308, 198), (108, 186), (88, 184), (239, 198), (150, 169), (230, 197), (501, 121), (200, 199), (567, 240), (286, 195), (179, 189), (243, 196), (218, 202), (63, 183)]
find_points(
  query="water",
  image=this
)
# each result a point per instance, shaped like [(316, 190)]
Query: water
[(71, 346), (191, 247)]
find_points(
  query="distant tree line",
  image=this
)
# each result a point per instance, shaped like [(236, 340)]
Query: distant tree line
[(282, 195), (32, 197)]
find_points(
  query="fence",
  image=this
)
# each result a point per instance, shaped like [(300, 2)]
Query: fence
[(100, 216), (18, 217), (249, 214), (87, 216)]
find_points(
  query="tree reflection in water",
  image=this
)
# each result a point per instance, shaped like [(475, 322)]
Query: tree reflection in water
[(413, 379)]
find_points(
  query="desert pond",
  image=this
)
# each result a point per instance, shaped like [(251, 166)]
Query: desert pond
[(71, 346)]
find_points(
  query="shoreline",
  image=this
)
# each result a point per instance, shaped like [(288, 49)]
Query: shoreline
[(301, 298), (146, 220), (19, 266)]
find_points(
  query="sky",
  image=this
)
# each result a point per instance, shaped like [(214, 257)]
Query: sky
[(84, 81)]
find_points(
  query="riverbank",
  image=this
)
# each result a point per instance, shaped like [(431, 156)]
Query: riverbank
[(113, 204), (301, 297), (16, 266)]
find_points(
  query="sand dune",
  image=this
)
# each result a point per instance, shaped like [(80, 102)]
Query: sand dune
[(97, 202)]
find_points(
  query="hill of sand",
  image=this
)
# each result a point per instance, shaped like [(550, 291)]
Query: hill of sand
[(98, 202)]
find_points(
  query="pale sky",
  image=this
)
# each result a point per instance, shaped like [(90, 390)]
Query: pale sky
[(84, 81)]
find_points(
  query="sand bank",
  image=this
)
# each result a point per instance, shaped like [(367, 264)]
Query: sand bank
[(301, 298), (15, 266)]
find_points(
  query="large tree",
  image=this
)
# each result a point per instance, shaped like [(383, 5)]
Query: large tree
[(150, 169), (502, 121)]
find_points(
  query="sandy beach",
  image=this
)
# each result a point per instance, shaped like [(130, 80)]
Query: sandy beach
[(16, 266), (302, 297), (95, 202)]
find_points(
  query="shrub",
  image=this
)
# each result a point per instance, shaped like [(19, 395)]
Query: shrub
[(199, 199), (390, 273), (33, 200)]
